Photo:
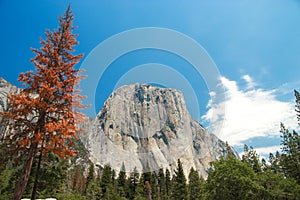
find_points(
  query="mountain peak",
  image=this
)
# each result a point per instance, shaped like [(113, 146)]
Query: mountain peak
[(149, 127)]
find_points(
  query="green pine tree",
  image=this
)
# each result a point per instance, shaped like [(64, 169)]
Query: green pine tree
[(231, 179), (106, 183), (114, 181), (179, 187), (290, 157), (155, 194), (7, 180), (133, 184), (122, 182), (162, 184), (276, 186), (251, 158), (168, 184), (195, 184), (90, 176), (275, 163), (146, 180), (94, 190)]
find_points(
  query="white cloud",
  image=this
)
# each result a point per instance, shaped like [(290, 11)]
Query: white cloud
[(267, 150), (245, 114), (264, 152), (249, 80), (286, 88)]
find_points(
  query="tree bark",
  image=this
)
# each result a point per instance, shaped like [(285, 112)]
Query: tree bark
[(21, 186), (33, 194)]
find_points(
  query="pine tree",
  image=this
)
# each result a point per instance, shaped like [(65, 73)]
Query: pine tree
[(275, 163), (42, 115), (276, 186), (122, 181), (146, 181), (297, 95), (140, 189), (90, 176), (148, 191), (179, 187), (113, 180), (231, 179), (162, 184), (154, 186), (229, 150), (168, 183), (94, 191), (78, 184), (53, 175), (7, 178), (106, 183), (194, 186), (133, 183), (251, 158), (290, 157)]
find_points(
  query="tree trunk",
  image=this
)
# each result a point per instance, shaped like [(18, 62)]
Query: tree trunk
[(33, 194), (21, 186), (148, 190)]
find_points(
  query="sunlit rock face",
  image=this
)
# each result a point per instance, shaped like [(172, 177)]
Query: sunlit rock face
[(6, 88), (149, 128)]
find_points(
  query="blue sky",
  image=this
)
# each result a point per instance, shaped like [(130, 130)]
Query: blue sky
[(254, 44)]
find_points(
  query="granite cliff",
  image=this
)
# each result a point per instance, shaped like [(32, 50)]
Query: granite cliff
[(6, 88), (148, 127)]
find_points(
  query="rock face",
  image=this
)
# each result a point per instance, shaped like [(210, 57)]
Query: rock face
[(150, 128), (6, 88)]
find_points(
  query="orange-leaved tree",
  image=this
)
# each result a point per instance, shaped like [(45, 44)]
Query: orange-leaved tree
[(44, 116)]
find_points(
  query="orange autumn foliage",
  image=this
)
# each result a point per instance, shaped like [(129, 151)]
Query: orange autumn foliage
[(46, 110)]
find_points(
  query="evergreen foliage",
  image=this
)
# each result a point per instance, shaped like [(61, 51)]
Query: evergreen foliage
[(168, 184), (133, 184), (275, 163), (179, 185), (275, 186), (121, 188), (162, 184), (90, 176), (106, 183), (195, 185), (231, 179), (251, 158), (290, 157)]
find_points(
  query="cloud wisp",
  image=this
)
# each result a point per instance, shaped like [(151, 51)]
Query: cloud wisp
[(264, 152), (248, 113)]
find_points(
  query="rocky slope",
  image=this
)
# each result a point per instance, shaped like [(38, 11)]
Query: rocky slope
[(6, 88), (150, 128)]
